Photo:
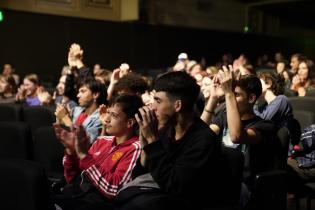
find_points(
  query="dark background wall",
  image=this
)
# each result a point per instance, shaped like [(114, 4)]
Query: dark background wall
[(39, 43)]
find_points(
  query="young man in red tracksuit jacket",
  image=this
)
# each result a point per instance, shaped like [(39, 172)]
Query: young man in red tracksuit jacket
[(95, 175)]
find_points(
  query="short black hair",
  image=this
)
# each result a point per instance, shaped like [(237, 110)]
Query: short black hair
[(179, 84), (95, 87), (129, 104), (250, 84), (131, 83)]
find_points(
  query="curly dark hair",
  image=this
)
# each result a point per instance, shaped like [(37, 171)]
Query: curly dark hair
[(132, 84), (277, 81)]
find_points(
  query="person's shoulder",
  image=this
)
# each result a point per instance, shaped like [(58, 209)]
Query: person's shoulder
[(202, 129), (282, 99), (264, 125)]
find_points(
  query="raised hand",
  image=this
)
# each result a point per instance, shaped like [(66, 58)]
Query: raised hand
[(225, 77), (21, 93), (44, 96), (124, 69), (102, 111), (75, 55)]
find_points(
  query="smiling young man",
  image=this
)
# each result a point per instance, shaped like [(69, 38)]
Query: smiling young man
[(178, 150), (91, 95), (95, 175)]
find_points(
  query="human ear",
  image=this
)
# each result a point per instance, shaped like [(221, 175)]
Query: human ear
[(252, 98), (131, 122), (178, 105)]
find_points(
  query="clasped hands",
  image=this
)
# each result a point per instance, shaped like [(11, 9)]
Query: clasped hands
[(148, 125)]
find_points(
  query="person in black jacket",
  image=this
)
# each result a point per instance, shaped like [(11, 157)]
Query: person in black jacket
[(179, 151), (78, 71)]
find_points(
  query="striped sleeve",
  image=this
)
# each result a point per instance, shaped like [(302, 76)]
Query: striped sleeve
[(71, 167), (109, 182)]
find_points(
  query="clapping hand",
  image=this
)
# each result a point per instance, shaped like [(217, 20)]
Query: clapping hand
[(148, 124)]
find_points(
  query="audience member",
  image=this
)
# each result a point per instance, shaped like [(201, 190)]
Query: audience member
[(95, 175), (8, 89), (91, 95), (178, 151), (276, 107)]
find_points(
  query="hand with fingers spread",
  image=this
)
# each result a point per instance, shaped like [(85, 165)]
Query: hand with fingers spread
[(226, 79), (148, 124), (75, 56)]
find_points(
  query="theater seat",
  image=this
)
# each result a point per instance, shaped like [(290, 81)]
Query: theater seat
[(16, 140), (23, 185)]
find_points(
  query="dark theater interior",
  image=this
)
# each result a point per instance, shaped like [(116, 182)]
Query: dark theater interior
[(157, 104)]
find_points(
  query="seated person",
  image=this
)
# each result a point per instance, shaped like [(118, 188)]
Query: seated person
[(7, 89), (63, 94), (245, 130), (95, 175), (9, 70), (277, 107), (301, 163), (178, 151), (31, 93), (91, 95)]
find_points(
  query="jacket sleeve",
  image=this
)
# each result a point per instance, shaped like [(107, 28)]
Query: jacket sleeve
[(109, 181), (71, 167), (181, 174)]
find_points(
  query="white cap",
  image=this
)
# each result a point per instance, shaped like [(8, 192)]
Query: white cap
[(182, 56)]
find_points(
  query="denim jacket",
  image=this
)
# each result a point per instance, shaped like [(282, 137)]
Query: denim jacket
[(91, 124)]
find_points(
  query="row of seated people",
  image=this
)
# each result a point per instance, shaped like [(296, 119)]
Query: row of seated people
[(177, 166), (180, 153)]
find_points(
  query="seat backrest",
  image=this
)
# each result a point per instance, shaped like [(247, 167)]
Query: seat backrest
[(48, 151), (310, 93), (231, 171), (303, 103), (10, 112), (269, 191), (15, 141), (284, 137), (305, 118), (295, 130), (38, 116), (23, 185)]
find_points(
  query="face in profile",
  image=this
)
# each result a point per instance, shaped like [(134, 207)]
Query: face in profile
[(163, 107), (116, 121), (85, 96), (61, 85), (303, 72)]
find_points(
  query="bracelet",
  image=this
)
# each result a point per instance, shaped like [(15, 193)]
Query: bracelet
[(210, 112)]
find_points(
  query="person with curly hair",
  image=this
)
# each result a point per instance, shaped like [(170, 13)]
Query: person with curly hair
[(276, 106)]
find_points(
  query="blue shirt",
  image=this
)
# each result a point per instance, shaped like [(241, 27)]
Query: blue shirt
[(32, 101)]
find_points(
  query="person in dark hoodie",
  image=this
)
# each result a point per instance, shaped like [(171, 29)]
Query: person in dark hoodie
[(179, 151)]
